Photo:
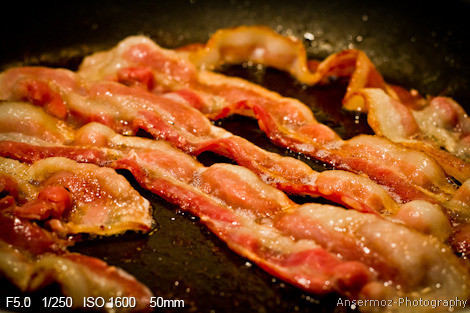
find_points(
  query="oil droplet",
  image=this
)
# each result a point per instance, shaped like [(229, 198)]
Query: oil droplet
[(309, 36)]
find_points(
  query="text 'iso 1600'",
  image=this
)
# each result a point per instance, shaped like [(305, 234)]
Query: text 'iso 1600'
[(111, 303)]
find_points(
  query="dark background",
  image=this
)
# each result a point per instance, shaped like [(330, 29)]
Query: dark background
[(416, 44), (420, 44)]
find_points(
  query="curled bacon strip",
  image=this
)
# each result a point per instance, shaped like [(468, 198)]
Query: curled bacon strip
[(32, 258), (264, 46), (342, 187), (442, 123), (169, 117), (80, 198), (257, 221), (315, 247), (198, 135), (408, 174)]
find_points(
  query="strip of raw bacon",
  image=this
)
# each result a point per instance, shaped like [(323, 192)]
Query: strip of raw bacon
[(32, 258), (79, 198), (256, 221), (170, 118), (289, 123), (441, 123)]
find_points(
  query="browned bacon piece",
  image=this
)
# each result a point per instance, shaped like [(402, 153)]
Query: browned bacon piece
[(259, 222), (407, 173)]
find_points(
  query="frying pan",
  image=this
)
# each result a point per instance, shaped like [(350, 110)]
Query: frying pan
[(414, 44)]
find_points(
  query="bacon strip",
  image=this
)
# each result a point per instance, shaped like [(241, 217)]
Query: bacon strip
[(219, 181), (291, 241), (251, 216), (440, 124), (32, 258), (214, 194), (407, 173), (262, 45), (80, 198), (180, 179), (163, 117), (169, 117), (15, 117), (442, 121), (418, 214)]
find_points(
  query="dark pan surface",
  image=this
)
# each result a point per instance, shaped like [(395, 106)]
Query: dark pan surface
[(415, 45)]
